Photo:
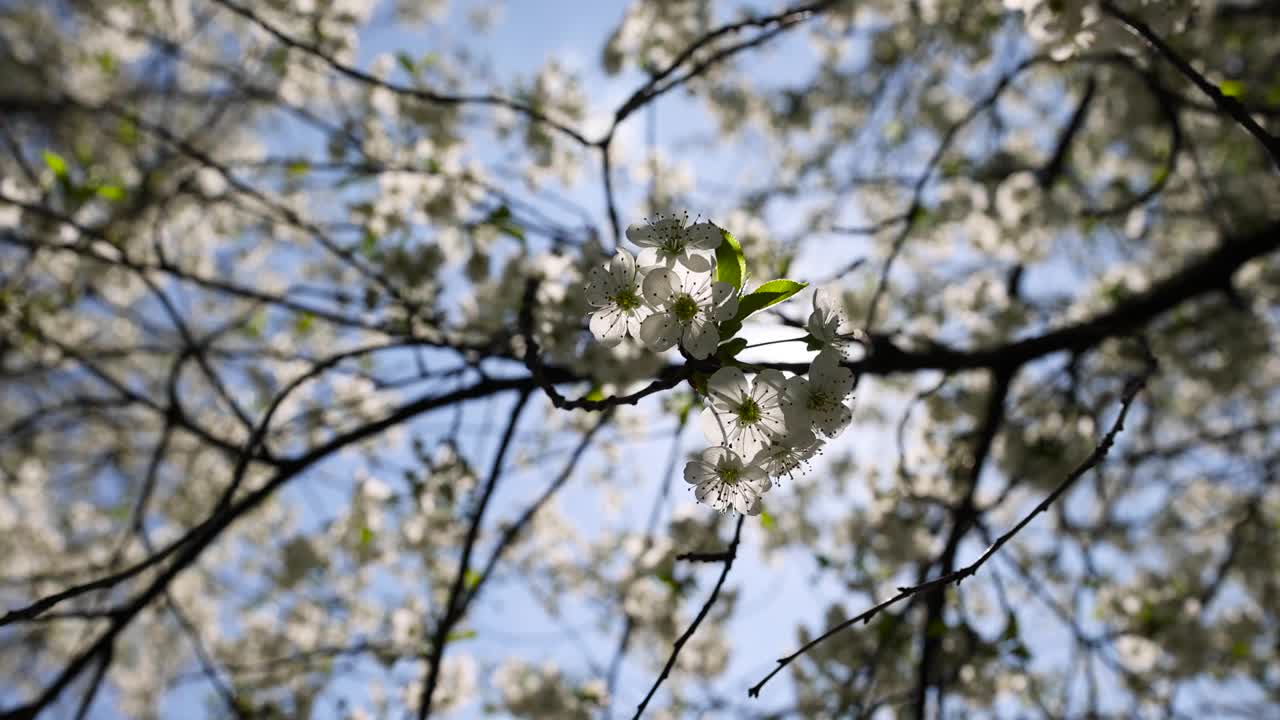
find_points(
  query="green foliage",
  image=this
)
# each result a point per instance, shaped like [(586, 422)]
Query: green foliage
[(768, 294), (731, 265), (56, 163)]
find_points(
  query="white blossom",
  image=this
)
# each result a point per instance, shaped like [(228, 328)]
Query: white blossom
[(822, 395), (827, 323), (722, 480), (687, 306), (615, 291), (790, 452), (743, 415), (668, 241)]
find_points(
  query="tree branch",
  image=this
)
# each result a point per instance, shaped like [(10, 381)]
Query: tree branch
[(956, 576)]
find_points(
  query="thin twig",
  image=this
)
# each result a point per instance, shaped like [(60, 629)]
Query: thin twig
[(1094, 458), (730, 555)]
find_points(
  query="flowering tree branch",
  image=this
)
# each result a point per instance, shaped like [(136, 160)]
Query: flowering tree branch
[(957, 576), (1225, 103), (728, 559)]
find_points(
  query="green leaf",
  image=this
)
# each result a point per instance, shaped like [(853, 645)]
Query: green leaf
[(127, 132), (1231, 88), (729, 328), (770, 293), (55, 163), (502, 220), (731, 265), (459, 635), (114, 193), (767, 520), (471, 579), (669, 580), (108, 63), (303, 323), (595, 395), (297, 168), (366, 537), (407, 63), (698, 381), (727, 351), (256, 325)]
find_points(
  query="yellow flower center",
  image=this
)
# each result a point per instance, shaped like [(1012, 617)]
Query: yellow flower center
[(685, 308), (626, 300)]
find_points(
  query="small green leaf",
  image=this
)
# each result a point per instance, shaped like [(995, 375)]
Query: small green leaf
[(1231, 88), (114, 193), (669, 580), (729, 328), (770, 293), (107, 62), (595, 395), (767, 520), (471, 579), (407, 63), (55, 163), (501, 219), (1011, 631), (303, 323), (127, 132), (366, 537), (698, 381), (459, 635), (731, 265), (256, 325), (727, 351), (297, 168)]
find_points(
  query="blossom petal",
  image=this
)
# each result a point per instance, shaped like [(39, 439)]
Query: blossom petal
[(701, 339), (697, 472), (718, 455), (749, 441), (724, 301), (623, 269), (729, 386), (703, 236), (658, 287), (599, 284), (608, 325), (696, 262), (713, 427), (659, 331), (827, 373), (642, 234)]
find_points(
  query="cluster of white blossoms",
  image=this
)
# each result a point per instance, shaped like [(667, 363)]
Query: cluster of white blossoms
[(686, 288)]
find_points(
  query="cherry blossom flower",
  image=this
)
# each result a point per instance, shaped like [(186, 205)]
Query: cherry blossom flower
[(827, 323), (822, 395), (789, 453), (615, 291), (667, 241), (743, 415), (722, 480), (687, 306)]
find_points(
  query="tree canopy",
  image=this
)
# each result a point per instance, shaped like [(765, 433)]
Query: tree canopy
[(662, 358)]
